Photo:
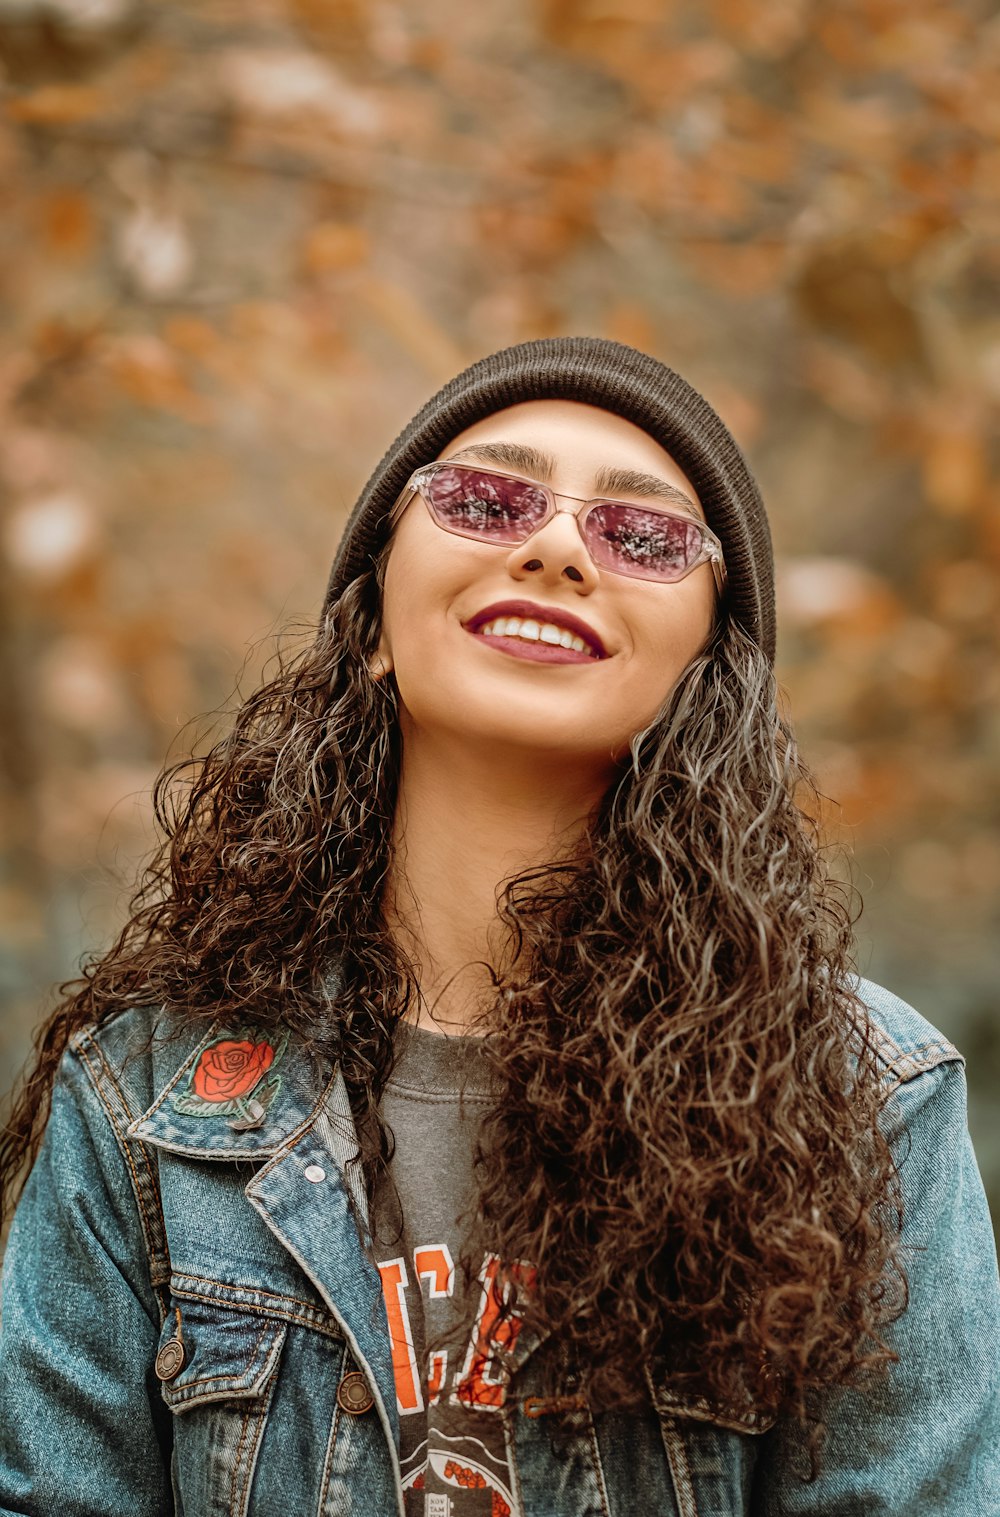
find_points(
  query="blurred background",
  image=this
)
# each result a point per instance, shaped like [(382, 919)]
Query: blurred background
[(241, 243)]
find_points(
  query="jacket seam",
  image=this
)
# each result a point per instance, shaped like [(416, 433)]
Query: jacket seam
[(331, 1443), (907, 1069), (680, 1467), (269, 1295), (595, 1454), (908, 1063), (254, 1423), (180, 1072), (147, 1228), (234, 1493), (161, 1232), (936, 1046), (272, 1313), (204, 1379)]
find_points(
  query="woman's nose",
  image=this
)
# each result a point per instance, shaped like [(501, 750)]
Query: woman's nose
[(556, 550)]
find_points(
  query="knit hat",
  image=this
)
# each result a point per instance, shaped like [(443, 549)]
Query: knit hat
[(617, 378)]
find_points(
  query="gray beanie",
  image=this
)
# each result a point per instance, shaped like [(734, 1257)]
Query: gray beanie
[(616, 378)]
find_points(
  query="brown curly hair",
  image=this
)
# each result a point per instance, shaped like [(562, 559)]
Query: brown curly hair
[(686, 1135)]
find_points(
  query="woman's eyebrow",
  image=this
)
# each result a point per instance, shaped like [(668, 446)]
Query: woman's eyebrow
[(523, 458)]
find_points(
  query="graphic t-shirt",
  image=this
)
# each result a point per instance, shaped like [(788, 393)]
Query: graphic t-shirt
[(452, 1447)]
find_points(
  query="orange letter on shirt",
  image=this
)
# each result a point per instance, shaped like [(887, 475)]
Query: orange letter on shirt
[(433, 1263), (481, 1383), (404, 1359)]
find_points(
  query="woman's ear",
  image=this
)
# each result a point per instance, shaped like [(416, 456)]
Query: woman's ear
[(380, 663)]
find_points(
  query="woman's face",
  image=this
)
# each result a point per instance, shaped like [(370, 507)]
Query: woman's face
[(455, 681)]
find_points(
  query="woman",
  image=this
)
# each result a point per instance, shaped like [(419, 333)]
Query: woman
[(479, 1113)]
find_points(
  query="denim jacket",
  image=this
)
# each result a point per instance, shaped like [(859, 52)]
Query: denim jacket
[(185, 1297)]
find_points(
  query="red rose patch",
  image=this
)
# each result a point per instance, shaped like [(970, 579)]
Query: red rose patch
[(229, 1069), (233, 1077)]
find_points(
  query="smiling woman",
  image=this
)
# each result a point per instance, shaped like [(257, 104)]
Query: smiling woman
[(480, 1113), (501, 690)]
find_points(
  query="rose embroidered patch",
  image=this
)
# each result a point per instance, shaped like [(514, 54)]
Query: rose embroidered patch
[(233, 1077)]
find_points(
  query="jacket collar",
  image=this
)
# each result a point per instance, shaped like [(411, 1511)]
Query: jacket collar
[(235, 1092)]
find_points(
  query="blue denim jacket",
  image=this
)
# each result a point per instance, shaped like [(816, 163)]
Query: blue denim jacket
[(141, 1221)]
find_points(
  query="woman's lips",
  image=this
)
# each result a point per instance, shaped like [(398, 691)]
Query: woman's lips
[(538, 653), (527, 610)]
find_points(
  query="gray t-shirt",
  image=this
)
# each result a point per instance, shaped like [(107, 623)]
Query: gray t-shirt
[(452, 1448)]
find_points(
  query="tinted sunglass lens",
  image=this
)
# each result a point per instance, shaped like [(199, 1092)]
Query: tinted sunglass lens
[(476, 503), (651, 544)]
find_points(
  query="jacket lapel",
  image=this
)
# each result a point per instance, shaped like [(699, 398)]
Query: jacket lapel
[(243, 1094)]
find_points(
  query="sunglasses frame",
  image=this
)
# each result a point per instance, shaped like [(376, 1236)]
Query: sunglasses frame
[(711, 551)]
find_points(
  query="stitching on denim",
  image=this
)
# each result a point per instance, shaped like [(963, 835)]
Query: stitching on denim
[(160, 1238), (680, 1469), (700, 1409), (936, 1045), (234, 1494), (126, 1152), (328, 1330), (263, 1413), (183, 1069), (331, 1443), (269, 1295), (237, 1296), (204, 1379), (942, 1049), (909, 1067), (885, 1043), (906, 1063), (598, 1467)]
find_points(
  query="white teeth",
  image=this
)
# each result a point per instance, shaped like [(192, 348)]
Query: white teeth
[(545, 632)]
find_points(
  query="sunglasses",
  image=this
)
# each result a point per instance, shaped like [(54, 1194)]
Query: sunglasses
[(489, 506)]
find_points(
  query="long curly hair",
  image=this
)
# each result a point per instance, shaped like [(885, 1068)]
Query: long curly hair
[(686, 1135)]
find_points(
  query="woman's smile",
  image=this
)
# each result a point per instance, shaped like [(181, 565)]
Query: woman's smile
[(541, 643), (543, 635)]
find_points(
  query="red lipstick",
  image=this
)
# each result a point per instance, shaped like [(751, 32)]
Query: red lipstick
[(528, 609)]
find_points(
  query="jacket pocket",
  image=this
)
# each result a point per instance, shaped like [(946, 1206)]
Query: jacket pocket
[(225, 1354), (217, 1368)]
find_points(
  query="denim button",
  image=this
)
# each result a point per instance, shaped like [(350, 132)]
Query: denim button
[(170, 1360), (314, 1173), (353, 1394)]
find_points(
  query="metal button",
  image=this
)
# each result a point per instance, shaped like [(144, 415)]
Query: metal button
[(314, 1173), (353, 1394), (170, 1359)]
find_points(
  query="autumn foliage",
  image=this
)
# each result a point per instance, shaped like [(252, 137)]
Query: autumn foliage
[(239, 244)]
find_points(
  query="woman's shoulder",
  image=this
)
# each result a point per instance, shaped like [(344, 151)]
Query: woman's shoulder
[(905, 1043), (130, 1052)]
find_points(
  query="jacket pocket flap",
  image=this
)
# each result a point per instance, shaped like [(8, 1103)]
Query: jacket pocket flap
[(668, 1402), (226, 1354)]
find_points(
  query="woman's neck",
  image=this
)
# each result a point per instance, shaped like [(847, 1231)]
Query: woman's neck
[(466, 820)]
